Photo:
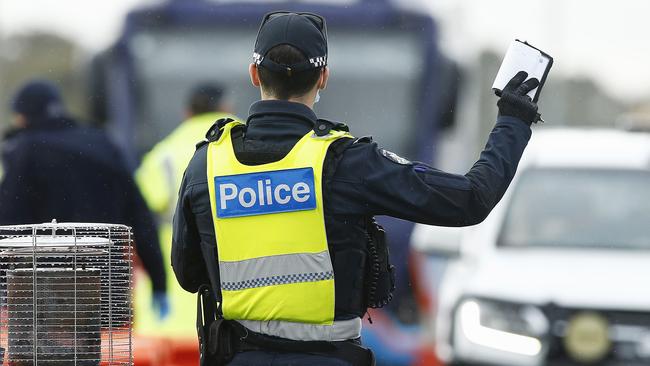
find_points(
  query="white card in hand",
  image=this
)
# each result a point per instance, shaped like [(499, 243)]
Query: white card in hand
[(523, 57)]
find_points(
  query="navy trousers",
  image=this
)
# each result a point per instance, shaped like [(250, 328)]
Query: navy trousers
[(258, 358)]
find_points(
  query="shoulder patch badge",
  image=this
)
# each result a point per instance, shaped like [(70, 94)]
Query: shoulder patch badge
[(394, 157)]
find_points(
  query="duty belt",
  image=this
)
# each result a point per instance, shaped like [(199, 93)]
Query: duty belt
[(220, 340)]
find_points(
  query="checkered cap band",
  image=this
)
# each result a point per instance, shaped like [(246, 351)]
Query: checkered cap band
[(318, 61), (257, 58)]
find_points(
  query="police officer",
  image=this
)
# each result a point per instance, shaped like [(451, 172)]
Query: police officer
[(161, 171), (276, 215), (57, 169), (159, 177)]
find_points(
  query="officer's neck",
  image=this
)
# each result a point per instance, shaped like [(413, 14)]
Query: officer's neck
[(307, 99)]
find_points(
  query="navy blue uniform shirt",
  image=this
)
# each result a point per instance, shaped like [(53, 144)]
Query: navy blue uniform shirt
[(366, 181), (57, 169)]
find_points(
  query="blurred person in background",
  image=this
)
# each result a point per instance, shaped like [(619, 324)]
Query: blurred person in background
[(159, 177), (275, 217), (160, 174), (54, 168)]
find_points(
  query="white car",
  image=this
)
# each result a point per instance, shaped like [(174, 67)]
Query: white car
[(559, 273)]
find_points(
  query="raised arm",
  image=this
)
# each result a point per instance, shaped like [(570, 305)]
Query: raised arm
[(370, 180)]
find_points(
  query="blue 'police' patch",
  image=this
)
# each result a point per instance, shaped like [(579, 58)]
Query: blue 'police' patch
[(265, 192)]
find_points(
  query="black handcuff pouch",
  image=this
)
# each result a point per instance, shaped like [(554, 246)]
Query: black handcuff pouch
[(217, 342)]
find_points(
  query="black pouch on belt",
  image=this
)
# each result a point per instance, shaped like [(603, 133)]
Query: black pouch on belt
[(216, 337), (380, 282)]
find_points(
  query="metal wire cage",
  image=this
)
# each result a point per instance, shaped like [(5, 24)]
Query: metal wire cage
[(65, 294)]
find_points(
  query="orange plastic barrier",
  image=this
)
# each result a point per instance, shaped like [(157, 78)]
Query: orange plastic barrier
[(150, 351), (183, 352)]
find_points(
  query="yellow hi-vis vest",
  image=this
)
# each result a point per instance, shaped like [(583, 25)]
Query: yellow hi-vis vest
[(274, 261)]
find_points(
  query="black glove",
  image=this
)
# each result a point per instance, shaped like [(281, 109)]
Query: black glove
[(515, 103)]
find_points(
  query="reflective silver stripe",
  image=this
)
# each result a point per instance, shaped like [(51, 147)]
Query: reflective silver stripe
[(275, 270), (340, 330)]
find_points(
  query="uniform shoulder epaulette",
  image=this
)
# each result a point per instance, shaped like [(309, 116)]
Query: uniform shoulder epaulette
[(363, 140), (323, 127)]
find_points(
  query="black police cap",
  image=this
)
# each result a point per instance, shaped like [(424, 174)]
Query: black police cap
[(304, 31)]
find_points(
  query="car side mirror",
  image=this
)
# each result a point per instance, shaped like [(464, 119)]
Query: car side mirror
[(437, 240)]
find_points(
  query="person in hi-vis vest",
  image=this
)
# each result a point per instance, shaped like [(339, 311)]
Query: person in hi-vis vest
[(159, 178), (274, 225)]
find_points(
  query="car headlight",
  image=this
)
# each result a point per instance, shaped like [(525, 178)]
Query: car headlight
[(503, 326)]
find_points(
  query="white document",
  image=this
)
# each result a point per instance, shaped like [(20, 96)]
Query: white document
[(523, 57)]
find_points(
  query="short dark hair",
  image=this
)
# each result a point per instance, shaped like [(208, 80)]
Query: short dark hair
[(205, 98), (285, 85)]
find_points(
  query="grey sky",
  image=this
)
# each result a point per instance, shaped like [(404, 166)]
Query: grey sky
[(606, 40)]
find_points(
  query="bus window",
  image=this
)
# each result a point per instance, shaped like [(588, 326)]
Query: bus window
[(374, 84)]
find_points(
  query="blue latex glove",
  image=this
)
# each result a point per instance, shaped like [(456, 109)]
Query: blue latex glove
[(160, 305)]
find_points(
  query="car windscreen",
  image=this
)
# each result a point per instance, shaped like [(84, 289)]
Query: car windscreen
[(374, 82), (579, 208)]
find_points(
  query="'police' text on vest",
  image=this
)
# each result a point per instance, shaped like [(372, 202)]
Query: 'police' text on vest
[(265, 192)]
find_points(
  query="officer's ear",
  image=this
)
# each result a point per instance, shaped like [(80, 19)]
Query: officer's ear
[(254, 74), (324, 77)]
